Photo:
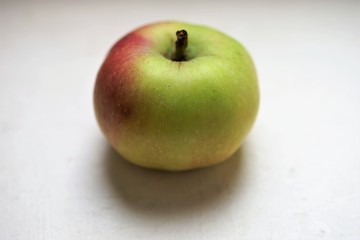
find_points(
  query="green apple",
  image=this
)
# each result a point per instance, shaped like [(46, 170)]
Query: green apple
[(176, 100)]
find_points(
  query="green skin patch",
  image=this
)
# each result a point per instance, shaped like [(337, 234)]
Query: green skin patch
[(185, 114)]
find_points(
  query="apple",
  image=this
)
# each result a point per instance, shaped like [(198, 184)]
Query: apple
[(176, 96)]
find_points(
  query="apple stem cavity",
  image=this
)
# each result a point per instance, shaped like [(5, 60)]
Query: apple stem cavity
[(180, 46)]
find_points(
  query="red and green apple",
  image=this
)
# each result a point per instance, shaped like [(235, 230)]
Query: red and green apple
[(176, 96)]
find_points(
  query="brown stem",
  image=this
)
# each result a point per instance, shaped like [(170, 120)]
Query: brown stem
[(180, 46)]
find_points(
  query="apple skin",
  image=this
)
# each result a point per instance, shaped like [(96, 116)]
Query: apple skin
[(169, 115)]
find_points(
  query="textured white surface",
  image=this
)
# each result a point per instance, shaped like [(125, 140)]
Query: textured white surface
[(296, 177)]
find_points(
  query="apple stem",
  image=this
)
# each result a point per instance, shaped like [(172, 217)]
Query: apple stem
[(180, 46)]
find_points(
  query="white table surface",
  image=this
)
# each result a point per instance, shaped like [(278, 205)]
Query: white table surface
[(296, 177)]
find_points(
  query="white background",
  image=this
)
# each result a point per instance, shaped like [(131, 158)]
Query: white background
[(296, 177)]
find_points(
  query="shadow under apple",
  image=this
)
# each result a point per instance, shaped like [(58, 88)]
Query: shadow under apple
[(158, 192)]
